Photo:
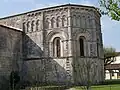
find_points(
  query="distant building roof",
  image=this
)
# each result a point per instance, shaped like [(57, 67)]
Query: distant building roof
[(118, 53), (112, 67)]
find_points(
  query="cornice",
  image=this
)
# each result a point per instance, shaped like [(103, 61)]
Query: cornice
[(38, 11)]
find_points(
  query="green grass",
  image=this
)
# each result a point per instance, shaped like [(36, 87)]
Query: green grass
[(97, 87), (107, 85), (103, 87)]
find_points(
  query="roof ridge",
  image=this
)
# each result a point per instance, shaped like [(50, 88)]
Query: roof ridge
[(11, 27)]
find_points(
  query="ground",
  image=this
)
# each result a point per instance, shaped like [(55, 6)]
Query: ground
[(103, 87), (97, 87)]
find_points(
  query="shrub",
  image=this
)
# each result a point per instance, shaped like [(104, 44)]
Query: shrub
[(108, 82)]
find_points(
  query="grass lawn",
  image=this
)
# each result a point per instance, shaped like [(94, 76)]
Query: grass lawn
[(98, 87), (103, 87)]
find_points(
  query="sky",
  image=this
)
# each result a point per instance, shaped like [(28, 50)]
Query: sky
[(110, 28)]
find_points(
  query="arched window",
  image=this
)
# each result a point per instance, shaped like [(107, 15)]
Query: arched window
[(37, 25), (64, 21), (24, 27), (83, 22), (58, 21), (74, 20), (78, 21), (81, 43), (56, 47), (53, 22), (28, 27), (88, 22), (32, 26), (47, 23)]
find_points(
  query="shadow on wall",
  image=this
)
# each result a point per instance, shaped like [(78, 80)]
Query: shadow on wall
[(4, 85), (10, 53), (40, 69), (22, 54)]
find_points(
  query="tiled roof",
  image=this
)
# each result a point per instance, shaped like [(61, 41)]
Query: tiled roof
[(112, 67)]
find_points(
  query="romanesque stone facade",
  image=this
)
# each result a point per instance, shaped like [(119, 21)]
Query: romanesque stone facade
[(59, 44)]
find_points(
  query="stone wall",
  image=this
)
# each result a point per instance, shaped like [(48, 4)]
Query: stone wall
[(86, 24), (49, 71), (88, 70), (10, 52)]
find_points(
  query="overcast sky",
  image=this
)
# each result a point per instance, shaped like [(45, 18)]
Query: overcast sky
[(110, 28)]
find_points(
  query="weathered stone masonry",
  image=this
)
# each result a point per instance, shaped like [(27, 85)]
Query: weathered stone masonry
[(57, 41), (10, 54)]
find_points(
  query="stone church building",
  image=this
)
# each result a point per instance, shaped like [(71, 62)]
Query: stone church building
[(60, 44)]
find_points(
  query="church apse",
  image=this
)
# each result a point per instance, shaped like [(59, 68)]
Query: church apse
[(56, 41)]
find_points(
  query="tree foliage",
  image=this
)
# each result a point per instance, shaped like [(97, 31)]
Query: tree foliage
[(111, 8), (109, 55)]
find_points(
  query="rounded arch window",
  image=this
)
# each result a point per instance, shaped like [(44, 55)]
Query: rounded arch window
[(78, 22), (33, 26), (83, 21), (74, 20), (47, 23), (81, 45), (53, 22), (88, 22), (57, 47), (24, 27), (58, 21), (37, 25), (28, 26), (64, 21)]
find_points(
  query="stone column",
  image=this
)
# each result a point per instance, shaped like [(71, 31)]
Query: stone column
[(70, 47), (62, 48), (50, 49), (41, 26), (86, 49), (45, 44), (65, 48), (69, 33), (29, 27)]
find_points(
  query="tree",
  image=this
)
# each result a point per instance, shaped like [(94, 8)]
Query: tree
[(109, 55), (111, 8), (85, 73)]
